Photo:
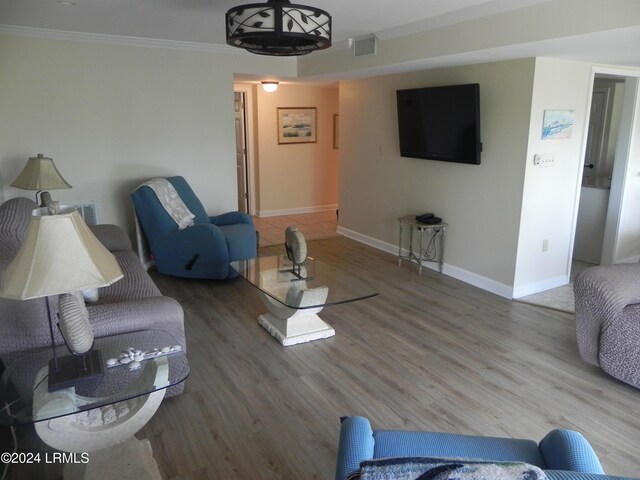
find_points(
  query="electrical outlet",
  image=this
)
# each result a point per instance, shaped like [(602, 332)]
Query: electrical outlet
[(545, 245), (544, 160)]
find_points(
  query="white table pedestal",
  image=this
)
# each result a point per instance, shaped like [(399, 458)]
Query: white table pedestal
[(131, 460), (105, 433), (291, 326)]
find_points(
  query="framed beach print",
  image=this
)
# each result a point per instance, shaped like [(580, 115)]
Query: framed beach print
[(297, 125), (557, 124)]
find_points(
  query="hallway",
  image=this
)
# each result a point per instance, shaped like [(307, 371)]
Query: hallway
[(312, 225)]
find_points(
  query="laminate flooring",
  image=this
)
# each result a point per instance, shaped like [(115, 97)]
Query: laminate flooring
[(428, 353), (313, 226)]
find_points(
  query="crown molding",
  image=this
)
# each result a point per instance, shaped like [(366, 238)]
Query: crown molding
[(14, 30)]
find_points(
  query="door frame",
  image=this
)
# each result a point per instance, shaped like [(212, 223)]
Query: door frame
[(626, 140), (248, 90)]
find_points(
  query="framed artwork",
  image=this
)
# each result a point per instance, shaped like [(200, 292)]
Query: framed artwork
[(557, 124), (297, 125), (335, 131)]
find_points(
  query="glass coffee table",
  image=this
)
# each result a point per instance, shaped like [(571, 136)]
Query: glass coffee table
[(96, 413), (294, 298)]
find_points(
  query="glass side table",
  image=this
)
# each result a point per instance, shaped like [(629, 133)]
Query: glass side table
[(439, 231), (96, 413)]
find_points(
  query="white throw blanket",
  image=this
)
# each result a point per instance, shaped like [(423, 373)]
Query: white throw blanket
[(171, 201)]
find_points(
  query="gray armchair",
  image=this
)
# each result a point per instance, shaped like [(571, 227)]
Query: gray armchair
[(607, 300)]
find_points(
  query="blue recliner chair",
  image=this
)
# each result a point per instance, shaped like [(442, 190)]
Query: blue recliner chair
[(562, 454), (202, 250)]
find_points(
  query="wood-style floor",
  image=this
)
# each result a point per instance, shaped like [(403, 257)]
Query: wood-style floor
[(428, 353)]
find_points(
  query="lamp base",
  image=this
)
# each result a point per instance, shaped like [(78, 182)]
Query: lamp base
[(74, 369)]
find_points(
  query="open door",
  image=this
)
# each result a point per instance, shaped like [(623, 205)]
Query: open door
[(241, 151)]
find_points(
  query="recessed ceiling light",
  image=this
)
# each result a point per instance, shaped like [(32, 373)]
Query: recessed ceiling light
[(67, 3)]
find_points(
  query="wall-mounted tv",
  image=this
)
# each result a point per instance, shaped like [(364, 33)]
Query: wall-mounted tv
[(440, 123)]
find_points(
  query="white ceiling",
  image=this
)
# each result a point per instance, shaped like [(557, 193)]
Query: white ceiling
[(202, 22)]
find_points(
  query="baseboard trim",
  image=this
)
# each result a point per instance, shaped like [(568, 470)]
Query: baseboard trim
[(537, 287), (297, 211), (471, 278)]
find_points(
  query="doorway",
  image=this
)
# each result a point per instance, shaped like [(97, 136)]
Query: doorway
[(241, 151), (610, 220), (598, 165), (245, 158)]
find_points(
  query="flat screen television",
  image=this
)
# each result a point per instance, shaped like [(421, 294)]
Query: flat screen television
[(440, 123)]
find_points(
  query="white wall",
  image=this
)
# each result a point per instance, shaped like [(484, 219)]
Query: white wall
[(481, 203), (296, 178), (549, 208), (112, 116)]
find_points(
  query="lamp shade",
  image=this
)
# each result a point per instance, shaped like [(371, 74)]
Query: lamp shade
[(59, 255), (40, 173)]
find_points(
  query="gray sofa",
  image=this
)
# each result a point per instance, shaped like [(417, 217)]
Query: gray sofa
[(607, 302), (132, 303)]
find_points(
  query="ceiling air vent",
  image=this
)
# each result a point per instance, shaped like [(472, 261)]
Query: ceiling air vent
[(365, 46)]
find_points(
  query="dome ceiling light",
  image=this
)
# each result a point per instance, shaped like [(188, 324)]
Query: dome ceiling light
[(270, 87)]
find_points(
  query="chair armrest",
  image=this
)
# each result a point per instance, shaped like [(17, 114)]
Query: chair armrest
[(152, 313), (231, 218), (601, 293), (111, 236), (569, 450), (356, 445)]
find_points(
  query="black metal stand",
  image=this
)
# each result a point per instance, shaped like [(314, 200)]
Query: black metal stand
[(71, 370), (296, 268)]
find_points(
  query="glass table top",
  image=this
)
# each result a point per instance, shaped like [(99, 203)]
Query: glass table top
[(276, 277), (24, 383)]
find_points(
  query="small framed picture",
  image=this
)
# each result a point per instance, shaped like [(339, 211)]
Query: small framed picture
[(297, 125), (557, 124)]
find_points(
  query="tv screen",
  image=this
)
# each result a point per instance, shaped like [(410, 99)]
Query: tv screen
[(440, 123)]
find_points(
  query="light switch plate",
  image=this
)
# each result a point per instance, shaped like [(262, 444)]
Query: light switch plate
[(544, 160)]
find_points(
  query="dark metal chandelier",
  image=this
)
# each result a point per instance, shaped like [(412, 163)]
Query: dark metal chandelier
[(278, 28)]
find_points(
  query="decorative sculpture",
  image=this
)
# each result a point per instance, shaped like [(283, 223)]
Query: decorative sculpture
[(296, 247)]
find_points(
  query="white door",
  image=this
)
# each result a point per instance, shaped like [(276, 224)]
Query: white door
[(241, 152)]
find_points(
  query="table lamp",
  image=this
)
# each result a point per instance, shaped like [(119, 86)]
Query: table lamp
[(40, 173), (61, 256)]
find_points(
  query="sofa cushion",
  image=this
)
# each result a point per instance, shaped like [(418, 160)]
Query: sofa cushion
[(135, 284), (15, 215), (111, 236)]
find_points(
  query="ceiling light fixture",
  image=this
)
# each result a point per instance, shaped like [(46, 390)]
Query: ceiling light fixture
[(269, 87), (278, 28)]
